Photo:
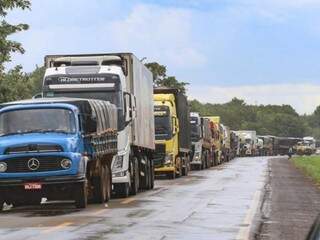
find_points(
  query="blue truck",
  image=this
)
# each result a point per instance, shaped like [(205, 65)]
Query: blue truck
[(57, 148)]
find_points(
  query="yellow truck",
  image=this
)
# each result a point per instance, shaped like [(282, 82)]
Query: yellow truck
[(217, 140), (172, 133)]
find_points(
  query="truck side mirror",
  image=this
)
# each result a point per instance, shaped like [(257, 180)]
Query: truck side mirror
[(175, 126), (129, 107)]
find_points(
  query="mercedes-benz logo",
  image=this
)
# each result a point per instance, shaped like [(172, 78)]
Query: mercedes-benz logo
[(33, 164)]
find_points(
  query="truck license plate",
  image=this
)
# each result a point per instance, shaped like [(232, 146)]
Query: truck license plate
[(32, 186)]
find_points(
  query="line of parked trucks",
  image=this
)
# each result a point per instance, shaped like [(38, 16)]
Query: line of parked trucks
[(99, 128)]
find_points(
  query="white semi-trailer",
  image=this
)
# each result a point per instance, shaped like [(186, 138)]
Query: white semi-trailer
[(123, 80)]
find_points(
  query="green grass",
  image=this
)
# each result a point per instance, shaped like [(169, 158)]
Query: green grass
[(310, 165)]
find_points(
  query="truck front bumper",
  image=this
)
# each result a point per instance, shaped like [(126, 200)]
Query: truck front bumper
[(196, 162), (53, 188), (165, 169), (122, 179)]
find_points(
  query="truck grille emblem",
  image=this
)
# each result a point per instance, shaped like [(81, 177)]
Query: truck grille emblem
[(33, 164)]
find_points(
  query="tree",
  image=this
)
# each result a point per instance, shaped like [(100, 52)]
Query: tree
[(160, 78), (14, 84), (266, 120), (9, 46), (36, 78)]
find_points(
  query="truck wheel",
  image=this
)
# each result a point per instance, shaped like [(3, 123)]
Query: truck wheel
[(109, 183), (180, 166), (203, 162), (171, 175), (147, 174), (206, 157), (134, 175), (81, 195), (122, 189), (151, 174), (185, 169), (144, 170), (101, 185)]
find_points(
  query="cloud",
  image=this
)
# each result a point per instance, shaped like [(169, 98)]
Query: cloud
[(158, 33), (162, 34), (303, 97)]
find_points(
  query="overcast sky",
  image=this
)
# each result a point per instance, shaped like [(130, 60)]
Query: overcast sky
[(263, 51)]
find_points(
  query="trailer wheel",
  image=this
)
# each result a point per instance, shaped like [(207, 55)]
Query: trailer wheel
[(101, 185), (134, 175), (81, 195)]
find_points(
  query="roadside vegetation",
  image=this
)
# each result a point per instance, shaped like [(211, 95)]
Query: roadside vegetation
[(310, 165)]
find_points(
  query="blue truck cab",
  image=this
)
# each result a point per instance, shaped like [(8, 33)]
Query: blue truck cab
[(59, 149)]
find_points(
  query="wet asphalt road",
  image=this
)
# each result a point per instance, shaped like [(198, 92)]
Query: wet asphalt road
[(218, 203)]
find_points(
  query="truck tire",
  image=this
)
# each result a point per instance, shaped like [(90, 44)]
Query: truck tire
[(207, 160), (81, 195), (171, 175), (109, 184), (122, 189), (185, 169), (134, 175), (152, 174), (149, 175), (180, 160), (101, 186), (203, 162), (144, 173)]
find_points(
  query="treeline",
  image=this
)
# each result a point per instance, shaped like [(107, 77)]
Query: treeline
[(265, 119)]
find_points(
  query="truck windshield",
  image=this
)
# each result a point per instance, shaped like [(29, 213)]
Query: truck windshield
[(37, 120), (195, 129), (163, 127)]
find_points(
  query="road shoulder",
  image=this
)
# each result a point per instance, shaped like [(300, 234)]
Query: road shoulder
[(290, 203)]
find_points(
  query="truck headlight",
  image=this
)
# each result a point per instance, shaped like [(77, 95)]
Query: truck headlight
[(3, 167), (120, 174), (168, 159), (66, 163), (118, 164)]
